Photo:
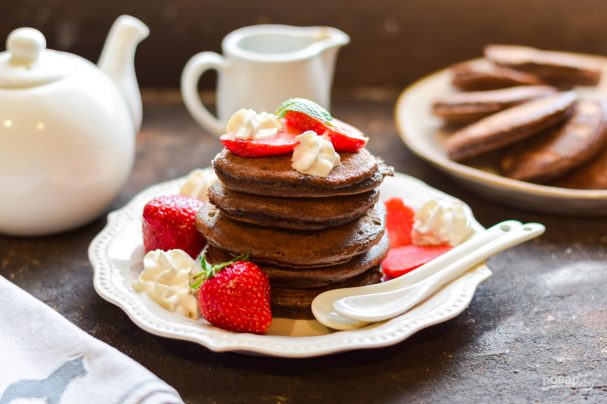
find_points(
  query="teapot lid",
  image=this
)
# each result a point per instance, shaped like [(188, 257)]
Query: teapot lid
[(27, 62)]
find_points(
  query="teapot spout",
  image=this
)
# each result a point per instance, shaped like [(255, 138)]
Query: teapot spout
[(118, 60)]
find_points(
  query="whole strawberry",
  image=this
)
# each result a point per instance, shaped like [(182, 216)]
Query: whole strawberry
[(169, 223), (234, 295)]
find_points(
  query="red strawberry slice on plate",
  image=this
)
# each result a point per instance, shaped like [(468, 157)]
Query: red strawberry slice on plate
[(401, 260), (302, 115), (169, 222), (345, 138), (300, 122), (234, 295), (283, 143), (399, 222)]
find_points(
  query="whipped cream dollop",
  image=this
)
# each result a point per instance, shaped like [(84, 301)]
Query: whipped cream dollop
[(314, 155), (247, 124), (197, 184), (440, 222), (166, 280)]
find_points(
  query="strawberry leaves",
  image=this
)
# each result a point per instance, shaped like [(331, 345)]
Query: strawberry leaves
[(210, 271)]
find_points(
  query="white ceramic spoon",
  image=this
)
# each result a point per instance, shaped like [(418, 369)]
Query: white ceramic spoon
[(385, 305), (322, 306)]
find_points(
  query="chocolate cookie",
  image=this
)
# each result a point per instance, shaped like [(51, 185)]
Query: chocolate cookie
[(590, 175), (509, 126), (273, 176), (553, 67), (557, 152), (461, 108), (295, 303), (478, 77), (291, 213), (313, 277), (293, 248)]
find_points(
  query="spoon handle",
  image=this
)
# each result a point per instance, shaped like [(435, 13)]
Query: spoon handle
[(322, 305), (452, 255), (426, 270), (382, 306)]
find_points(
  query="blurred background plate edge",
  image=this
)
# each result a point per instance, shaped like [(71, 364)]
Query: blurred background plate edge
[(417, 128)]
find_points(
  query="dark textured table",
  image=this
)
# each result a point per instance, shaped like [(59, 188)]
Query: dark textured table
[(536, 330)]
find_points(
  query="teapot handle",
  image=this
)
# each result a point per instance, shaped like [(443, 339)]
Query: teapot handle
[(192, 71)]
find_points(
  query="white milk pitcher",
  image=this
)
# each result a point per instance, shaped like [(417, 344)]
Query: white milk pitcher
[(262, 66)]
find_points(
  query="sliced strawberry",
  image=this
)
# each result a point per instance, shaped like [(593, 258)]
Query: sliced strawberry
[(401, 260), (283, 143), (345, 137), (300, 122), (399, 222)]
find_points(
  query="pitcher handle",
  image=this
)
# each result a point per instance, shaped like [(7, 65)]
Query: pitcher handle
[(192, 71)]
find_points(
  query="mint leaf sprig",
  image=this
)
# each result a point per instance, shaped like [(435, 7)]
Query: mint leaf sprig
[(210, 271), (307, 107)]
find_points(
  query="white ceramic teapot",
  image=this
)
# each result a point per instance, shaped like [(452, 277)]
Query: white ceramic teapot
[(67, 129)]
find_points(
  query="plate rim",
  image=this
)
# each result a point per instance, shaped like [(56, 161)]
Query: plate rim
[(217, 340), (474, 174)]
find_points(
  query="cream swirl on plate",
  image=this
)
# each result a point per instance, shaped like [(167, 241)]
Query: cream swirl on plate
[(197, 184), (440, 222), (166, 280), (247, 124), (314, 155)]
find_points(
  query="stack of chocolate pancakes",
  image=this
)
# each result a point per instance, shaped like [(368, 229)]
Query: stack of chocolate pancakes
[(308, 233)]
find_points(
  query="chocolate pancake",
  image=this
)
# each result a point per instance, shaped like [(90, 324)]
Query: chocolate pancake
[(461, 108), (553, 67), (557, 152), (295, 303), (509, 126), (291, 213), (313, 277), (293, 248), (273, 176), (590, 175), (476, 77)]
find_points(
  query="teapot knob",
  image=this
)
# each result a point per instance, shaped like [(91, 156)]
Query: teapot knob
[(25, 45)]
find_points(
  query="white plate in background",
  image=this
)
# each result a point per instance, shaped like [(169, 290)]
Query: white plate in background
[(421, 131)]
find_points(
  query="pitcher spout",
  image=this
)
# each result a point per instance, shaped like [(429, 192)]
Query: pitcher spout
[(331, 38), (329, 42), (118, 60)]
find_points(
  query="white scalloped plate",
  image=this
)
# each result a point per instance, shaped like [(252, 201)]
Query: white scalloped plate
[(117, 252)]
